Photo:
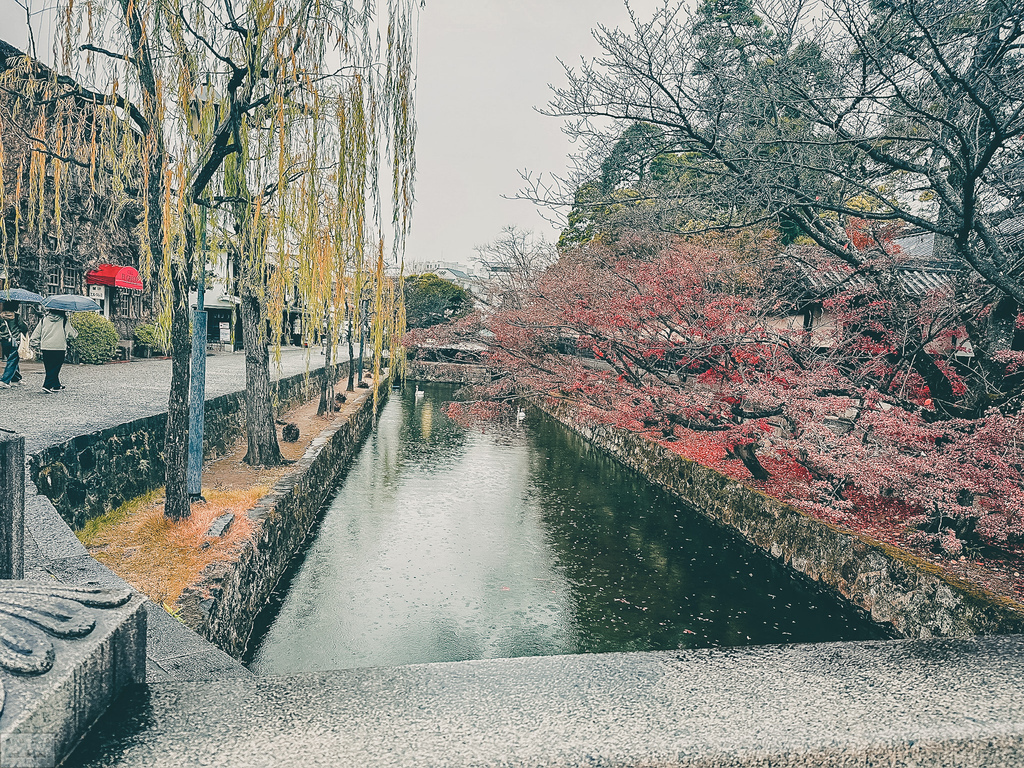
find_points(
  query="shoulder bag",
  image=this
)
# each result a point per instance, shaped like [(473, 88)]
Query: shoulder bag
[(25, 349)]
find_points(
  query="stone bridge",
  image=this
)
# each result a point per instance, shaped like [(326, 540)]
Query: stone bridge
[(75, 642)]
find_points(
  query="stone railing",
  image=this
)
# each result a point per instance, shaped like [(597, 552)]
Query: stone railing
[(66, 652)]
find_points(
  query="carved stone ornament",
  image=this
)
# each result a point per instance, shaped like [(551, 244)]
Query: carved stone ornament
[(30, 612)]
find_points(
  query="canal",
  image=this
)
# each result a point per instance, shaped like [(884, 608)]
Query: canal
[(446, 543)]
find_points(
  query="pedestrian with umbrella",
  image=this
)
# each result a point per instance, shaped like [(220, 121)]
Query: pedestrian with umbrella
[(11, 329), (52, 334)]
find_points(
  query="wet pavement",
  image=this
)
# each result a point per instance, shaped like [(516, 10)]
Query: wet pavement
[(101, 396), (933, 703)]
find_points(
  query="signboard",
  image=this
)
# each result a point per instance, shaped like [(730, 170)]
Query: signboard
[(97, 292), (225, 333)]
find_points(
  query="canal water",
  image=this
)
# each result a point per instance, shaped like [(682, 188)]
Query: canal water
[(444, 543)]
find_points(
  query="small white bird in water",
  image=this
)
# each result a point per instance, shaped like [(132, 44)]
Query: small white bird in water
[(419, 392), (521, 415)]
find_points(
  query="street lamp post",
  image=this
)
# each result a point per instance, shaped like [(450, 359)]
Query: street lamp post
[(197, 390)]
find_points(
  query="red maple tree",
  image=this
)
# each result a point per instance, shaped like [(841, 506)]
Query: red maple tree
[(700, 346)]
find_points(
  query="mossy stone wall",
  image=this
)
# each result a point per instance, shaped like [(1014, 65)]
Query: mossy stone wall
[(92, 474), (914, 596)]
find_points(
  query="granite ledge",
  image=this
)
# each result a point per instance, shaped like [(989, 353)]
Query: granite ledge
[(895, 703)]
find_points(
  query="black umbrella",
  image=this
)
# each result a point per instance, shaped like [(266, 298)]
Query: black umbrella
[(19, 294), (70, 302)]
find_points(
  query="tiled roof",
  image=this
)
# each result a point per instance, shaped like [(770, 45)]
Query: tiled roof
[(7, 51), (916, 281), (921, 245), (917, 245), (1012, 232)]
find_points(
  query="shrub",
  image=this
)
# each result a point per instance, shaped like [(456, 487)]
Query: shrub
[(97, 338), (148, 334)]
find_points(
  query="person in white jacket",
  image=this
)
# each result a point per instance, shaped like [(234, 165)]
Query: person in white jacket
[(51, 338)]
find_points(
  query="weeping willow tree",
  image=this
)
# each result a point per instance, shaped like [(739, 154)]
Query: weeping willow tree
[(205, 108), (109, 69), (333, 227), (346, 133), (303, 178)]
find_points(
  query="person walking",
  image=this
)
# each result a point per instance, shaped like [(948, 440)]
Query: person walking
[(11, 328), (51, 337)]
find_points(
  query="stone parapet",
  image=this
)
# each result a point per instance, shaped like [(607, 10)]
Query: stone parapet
[(67, 653), (897, 704)]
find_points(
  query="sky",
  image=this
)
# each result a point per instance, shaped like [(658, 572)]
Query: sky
[(484, 66)]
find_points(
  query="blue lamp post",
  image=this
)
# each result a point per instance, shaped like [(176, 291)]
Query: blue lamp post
[(197, 389)]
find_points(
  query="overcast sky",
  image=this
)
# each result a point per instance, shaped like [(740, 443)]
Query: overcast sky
[(484, 65)]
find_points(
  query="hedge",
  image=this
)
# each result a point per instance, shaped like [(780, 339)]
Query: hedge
[(147, 334), (96, 342)]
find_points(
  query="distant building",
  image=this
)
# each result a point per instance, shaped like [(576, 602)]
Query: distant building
[(95, 239), (423, 267), (220, 300)]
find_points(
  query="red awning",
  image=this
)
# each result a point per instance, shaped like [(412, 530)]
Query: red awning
[(111, 274)]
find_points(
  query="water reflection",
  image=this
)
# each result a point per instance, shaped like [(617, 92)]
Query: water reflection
[(446, 544)]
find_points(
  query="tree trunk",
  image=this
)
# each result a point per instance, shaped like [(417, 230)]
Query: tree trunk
[(351, 356), (746, 454), (260, 430), (176, 504), (327, 387)]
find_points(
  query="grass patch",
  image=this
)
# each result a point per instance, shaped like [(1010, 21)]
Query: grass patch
[(160, 557), (97, 530)]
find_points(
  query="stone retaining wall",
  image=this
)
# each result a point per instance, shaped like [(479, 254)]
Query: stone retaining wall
[(92, 474), (897, 588), (224, 604), (455, 373)]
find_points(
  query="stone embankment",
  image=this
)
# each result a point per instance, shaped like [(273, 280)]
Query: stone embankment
[(224, 604), (81, 451), (96, 472), (896, 588), (453, 373)]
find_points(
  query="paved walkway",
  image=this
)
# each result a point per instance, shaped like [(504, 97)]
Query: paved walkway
[(101, 396)]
